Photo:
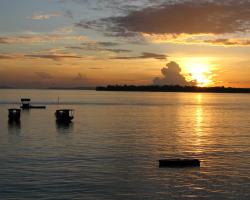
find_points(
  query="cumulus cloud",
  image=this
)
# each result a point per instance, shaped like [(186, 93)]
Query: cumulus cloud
[(145, 55), (172, 76)]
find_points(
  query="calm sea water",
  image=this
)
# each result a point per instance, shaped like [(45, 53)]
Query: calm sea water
[(112, 148)]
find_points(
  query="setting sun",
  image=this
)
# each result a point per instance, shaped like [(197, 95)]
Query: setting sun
[(199, 71)]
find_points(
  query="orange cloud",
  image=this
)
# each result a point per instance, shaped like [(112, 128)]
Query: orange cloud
[(207, 39)]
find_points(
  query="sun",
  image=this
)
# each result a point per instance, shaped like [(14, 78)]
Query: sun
[(201, 74), (199, 71)]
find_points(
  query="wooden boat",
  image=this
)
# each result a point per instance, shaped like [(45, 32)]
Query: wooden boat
[(14, 114), (64, 115), (25, 104), (179, 163)]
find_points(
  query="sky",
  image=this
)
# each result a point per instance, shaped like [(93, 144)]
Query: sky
[(82, 43)]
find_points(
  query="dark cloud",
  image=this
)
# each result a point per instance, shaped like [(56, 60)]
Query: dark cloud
[(172, 76), (99, 46), (55, 57), (190, 17), (44, 75), (3, 40), (144, 55), (108, 44), (118, 50), (37, 38), (116, 6), (86, 24), (107, 26), (99, 49), (10, 56), (52, 56), (229, 42), (3, 57)]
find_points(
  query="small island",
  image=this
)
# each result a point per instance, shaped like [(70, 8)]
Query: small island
[(172, 88)]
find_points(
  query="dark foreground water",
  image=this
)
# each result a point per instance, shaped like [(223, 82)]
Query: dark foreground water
[(111, 150)]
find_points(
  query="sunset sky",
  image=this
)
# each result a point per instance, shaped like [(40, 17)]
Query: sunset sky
[(78, 43)]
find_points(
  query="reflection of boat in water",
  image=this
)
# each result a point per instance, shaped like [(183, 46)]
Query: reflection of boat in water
[(14, 126), (64, 127), (26, 104), (64, 115), (14, 115)]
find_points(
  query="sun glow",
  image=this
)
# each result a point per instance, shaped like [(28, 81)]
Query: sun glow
[(200, 72)]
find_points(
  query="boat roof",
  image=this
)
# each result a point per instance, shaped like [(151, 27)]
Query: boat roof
[(25, 99), (12, 109), (64, 110)]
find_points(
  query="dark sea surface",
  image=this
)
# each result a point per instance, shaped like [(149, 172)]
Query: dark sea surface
[(112, 148)]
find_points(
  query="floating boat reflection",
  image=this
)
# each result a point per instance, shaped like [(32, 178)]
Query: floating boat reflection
[(14, 126)]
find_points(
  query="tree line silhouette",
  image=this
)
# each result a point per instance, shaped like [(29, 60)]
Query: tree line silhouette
[(172, 88)]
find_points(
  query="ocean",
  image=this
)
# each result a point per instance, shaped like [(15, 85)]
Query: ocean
[(112, 147)]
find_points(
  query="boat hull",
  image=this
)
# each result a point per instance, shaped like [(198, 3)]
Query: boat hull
[(33, 107)]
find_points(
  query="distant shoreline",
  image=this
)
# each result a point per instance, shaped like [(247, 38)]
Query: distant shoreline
[(172, 88), (56, 88), (148, 88)]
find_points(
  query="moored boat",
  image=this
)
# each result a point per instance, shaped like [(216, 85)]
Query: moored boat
[(14, 114), (25, 104), (64, 115)]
